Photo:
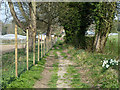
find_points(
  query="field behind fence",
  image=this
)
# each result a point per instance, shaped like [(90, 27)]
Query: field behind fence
[(20, 59)]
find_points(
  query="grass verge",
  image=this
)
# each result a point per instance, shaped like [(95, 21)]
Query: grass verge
[(72, 73), (27, 79), (91, 69), (92, 66)]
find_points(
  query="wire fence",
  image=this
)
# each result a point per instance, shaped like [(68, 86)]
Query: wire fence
[(17, 58)]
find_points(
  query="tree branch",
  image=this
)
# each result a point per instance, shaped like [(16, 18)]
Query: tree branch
[(22, 11), (14, 15)]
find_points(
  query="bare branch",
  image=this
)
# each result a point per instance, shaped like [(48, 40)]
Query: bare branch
[(14, 15)]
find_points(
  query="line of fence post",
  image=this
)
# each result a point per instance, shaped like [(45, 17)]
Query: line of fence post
[(41, 45), (47, 44), (16, 47), (27, 48), (38, 46)]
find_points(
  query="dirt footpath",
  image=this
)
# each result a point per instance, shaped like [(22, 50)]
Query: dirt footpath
[(46, 74), (63, 64)]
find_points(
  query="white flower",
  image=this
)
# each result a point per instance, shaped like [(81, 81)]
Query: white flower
[(112, 63), (103, 65), (107, 66), (111, 60), (105, 62)]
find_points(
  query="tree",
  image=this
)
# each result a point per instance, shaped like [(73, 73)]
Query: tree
[(24, 15), (47, 13), (104, 14), (76, 18)]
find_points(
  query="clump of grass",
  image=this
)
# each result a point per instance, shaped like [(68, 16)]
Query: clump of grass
[(76, 79)]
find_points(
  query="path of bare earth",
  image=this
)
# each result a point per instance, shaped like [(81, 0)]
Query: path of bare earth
[(63, 65), (46, 74)]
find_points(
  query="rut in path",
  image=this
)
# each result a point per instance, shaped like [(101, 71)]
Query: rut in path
[(46, 74), (63, 64)]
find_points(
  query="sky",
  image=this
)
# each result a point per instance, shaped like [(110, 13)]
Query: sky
[(10, 18), (3, 14)]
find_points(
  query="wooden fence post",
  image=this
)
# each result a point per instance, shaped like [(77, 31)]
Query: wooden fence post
[(38, 46), (54, 40), (34, 42), (27, 48), (16, 74), (44, 45), (41, 45), (50, 42)]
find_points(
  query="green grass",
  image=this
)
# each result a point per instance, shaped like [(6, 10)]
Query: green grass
[(72, 72), (27, 79), (8, 64), (83, 58), (92, 62), (111, 47)]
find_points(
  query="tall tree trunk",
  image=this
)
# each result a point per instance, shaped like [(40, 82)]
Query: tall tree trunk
[(100, 41), (104, 26), (48, 31), (101, 38), (30, 40), (33, 24)]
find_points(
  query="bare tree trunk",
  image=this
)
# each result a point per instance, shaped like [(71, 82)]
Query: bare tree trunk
[(30, 40), (100, 41), (48, 31), (33, 25), (101, 38)]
